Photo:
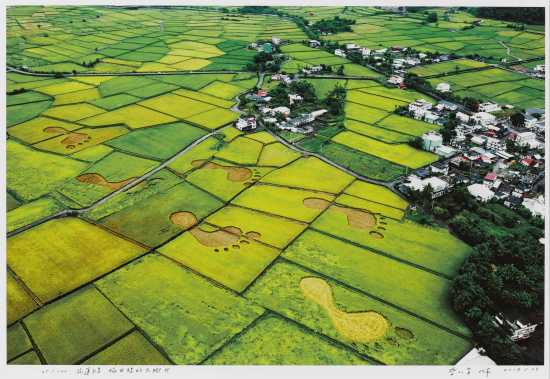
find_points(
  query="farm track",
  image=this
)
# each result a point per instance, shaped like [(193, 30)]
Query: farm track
[(509, 52)]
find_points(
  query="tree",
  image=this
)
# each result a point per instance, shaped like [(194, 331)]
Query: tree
[(304, 89), (517, 119), (417, 143), (279, 95), (471, 103), (432, 17), (340, 71), (336, 100)]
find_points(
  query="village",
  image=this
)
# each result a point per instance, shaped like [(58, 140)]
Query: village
[(497, 157), (493, 149)]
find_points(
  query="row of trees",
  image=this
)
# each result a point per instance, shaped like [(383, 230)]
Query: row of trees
[(504, 273), (334, 25), (528, 15)]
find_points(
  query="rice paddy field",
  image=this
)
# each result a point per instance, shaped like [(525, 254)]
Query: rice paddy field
[(66, 39), (377, 28), (374, 141), (143, 228), (496, 85)]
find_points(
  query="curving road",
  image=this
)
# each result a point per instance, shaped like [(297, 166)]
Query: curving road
[(126, 187)]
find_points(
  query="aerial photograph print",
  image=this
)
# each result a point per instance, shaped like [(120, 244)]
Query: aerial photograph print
[(275, 185)]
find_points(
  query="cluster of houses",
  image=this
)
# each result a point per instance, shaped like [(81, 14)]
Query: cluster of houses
[(278, 116), (478, 155), (267, 47)]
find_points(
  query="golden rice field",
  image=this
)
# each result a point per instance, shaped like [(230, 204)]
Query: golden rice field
[(143, 228)]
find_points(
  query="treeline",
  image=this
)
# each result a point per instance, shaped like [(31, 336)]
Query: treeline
[(334, 25), (504, 273), (258, 9), (525, 15)]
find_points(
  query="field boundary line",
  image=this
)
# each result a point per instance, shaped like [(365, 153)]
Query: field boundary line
[(382, 253)]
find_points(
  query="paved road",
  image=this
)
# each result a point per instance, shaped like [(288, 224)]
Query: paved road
[(133, 183)]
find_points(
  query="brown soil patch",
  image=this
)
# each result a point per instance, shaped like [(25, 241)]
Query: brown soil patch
[(357, 218), (360, 327), (74, 139), (198, 162), (217, 238), (184, 219), (234, 173), (99, 180), (316, 203), (376, 234), (404, 333)]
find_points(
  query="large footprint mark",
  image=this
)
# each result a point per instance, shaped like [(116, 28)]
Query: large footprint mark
[(234, 173), (221, 239), (359, 327), (72, 139)]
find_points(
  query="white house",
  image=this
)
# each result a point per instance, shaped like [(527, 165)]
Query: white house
[(462, 117), (484, 118), (281, 77), (431, 141), (285, 111), (394, 79), (489, 107), (446, 105), (495, 144), (275, 40), (248, 123), (352, 46), (445, 151), (439, 186), (430, 117), (340, 53), (365, 51), (478, 140), (412, 61), (443, 87), (420, 104), (525, 138), (481, 192)]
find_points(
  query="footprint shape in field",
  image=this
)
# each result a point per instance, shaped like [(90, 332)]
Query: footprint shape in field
[(234, 173), (72, 139), (362, 327), (223, 239), (316, 203), (356, 218), (99, 180)]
